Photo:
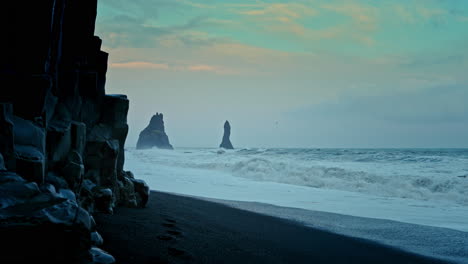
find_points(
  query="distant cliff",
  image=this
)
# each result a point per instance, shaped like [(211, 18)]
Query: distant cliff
[(226, 142), (154, 135), (61, 136)]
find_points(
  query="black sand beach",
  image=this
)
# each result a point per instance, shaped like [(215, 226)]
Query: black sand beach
[(178, 229)]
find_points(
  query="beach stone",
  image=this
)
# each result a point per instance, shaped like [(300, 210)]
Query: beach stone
[(57, 181), (96, 239), (142, 192), (103, 200), (45, 226), (101, 257), (68, 194), (9, 176), (15, 192), (127, 193), (87, 195), (30, 149), (154, 135), (129, 174), (48, 188), (226, 142), (30, 164)]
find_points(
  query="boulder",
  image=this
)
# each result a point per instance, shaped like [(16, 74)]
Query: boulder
[(30, 163), (30, 149), (57, 181), (42, 226), (226, 142), (103, 200), (96, 239), (127, 196), (99, 256), (87, 195), (142, 192), (154, 135), (8, 176)]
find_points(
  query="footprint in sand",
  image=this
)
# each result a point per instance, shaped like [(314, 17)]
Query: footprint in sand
[(175, 252), (170, 225), (164, 237), (174, 233), (172, 229)]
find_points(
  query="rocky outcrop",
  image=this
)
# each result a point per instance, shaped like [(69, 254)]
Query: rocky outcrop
[(226, 143), (154, 135), (61, 137)]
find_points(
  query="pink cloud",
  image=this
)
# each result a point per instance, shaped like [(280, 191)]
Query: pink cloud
[(201, 67), (172, 67), (140, 65)]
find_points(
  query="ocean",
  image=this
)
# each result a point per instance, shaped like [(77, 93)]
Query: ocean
[(408, 198)]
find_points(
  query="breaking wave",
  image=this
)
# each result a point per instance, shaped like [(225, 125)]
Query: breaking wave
[(415, 174)]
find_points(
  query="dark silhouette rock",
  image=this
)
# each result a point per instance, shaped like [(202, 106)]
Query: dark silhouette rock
[(226, 143), (154, 135), (61, 136)]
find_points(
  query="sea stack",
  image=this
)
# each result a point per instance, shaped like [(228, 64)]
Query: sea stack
[(154, 135), (226, 143)]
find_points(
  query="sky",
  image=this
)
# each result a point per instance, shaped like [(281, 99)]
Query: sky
[(306, 73)]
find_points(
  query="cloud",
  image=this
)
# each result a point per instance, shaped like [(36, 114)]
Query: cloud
[(139, 65), (284, 10), (361, 14), (416, 12)]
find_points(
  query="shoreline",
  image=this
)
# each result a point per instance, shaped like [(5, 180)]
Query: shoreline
[(181, 229)]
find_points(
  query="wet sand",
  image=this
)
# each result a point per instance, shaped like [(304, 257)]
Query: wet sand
[(179, 229)]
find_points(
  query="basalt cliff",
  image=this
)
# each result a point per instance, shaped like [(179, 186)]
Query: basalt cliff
[(61, 136)]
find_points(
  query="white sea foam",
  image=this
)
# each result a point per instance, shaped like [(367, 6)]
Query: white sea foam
[(416, 174), (419, 187)]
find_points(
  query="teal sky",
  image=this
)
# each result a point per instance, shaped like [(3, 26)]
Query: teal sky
[(310, 73)]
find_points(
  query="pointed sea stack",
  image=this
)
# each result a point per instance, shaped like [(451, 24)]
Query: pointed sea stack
[(154, 135), (226, 143)]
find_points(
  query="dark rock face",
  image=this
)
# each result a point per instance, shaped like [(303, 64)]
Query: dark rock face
[(61, 137), (154, 135), (226, 143)]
